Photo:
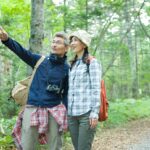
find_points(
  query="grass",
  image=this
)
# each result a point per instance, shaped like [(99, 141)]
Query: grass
[(123, 111)]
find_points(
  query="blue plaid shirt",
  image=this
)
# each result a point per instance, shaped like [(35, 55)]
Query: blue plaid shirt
[(84, 89)]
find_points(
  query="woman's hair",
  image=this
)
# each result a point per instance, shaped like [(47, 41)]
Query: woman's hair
[(84, 57)]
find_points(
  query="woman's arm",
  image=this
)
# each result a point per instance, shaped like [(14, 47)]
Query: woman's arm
[(95, 72)]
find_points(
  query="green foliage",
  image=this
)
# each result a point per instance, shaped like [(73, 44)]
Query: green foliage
[(15, 18), (123, 111), (17, 72), (6, 140), (114, 3)]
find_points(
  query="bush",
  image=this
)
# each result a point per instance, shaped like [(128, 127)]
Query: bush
[(6, 140), (123, 111)]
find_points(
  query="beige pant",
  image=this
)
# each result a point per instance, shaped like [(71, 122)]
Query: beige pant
[(29, 137)]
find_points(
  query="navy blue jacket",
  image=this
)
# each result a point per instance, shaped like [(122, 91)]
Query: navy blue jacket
[(52, 72)]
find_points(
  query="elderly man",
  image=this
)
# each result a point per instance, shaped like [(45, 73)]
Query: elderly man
[(46, 105)]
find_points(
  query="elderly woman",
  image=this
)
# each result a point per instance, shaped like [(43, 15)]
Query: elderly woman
[(84, 92)]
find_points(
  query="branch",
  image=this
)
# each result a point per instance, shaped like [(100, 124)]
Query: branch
[(102, 33), (143, 28), (121, 41), (106, 26)]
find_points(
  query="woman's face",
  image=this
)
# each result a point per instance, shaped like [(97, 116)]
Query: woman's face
[(76, 45)]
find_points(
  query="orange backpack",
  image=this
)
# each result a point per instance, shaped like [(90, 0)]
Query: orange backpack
[(103, 110)]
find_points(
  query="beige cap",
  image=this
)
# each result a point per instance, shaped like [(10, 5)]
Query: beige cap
[(83, 36)]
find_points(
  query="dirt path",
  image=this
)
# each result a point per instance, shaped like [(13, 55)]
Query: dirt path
[(133, 136)]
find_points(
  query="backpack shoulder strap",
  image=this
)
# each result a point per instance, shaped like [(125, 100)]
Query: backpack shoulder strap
[(90, 58), (34, 70), (39, 62), (88, 61)]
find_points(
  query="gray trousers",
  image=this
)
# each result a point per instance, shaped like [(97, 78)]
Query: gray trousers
[(29, 137), (81, 134)]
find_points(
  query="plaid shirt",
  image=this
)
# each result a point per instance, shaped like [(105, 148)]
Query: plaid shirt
[(39, 118), (84, 89)]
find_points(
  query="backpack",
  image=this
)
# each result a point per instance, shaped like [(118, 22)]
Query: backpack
[(20, 91), (103, 110)]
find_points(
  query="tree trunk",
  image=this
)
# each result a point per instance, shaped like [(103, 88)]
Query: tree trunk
[(64, 16), (37, 27), (37, 21), (86, 9), (132, 53)]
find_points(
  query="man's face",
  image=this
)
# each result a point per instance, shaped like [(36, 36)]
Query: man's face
[(58, 46)]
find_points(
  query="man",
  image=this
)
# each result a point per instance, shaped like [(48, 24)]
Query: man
[(44, 113)]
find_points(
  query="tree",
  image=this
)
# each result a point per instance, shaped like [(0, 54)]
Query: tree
[(37, 26)]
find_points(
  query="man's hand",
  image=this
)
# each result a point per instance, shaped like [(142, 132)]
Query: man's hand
[(3, 34)]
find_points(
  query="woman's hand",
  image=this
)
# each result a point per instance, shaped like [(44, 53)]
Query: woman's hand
[(93, 122)]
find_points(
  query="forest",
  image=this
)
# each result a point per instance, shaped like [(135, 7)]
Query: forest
[(120, 31)]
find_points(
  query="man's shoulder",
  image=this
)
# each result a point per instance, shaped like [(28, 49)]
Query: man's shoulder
[(67, 64)]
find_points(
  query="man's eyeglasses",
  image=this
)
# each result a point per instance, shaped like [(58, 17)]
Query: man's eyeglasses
[(57, 42)]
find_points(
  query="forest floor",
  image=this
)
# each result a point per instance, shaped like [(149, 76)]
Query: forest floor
[(134, 135)]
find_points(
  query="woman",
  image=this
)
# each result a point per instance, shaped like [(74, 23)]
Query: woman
[(84, 92)]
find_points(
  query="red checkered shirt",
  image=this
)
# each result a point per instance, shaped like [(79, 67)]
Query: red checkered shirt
[(39, 118)]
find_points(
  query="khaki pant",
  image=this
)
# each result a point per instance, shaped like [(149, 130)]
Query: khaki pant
[(29, 137)]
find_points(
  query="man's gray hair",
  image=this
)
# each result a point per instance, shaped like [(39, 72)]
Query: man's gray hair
[(64, 36)]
